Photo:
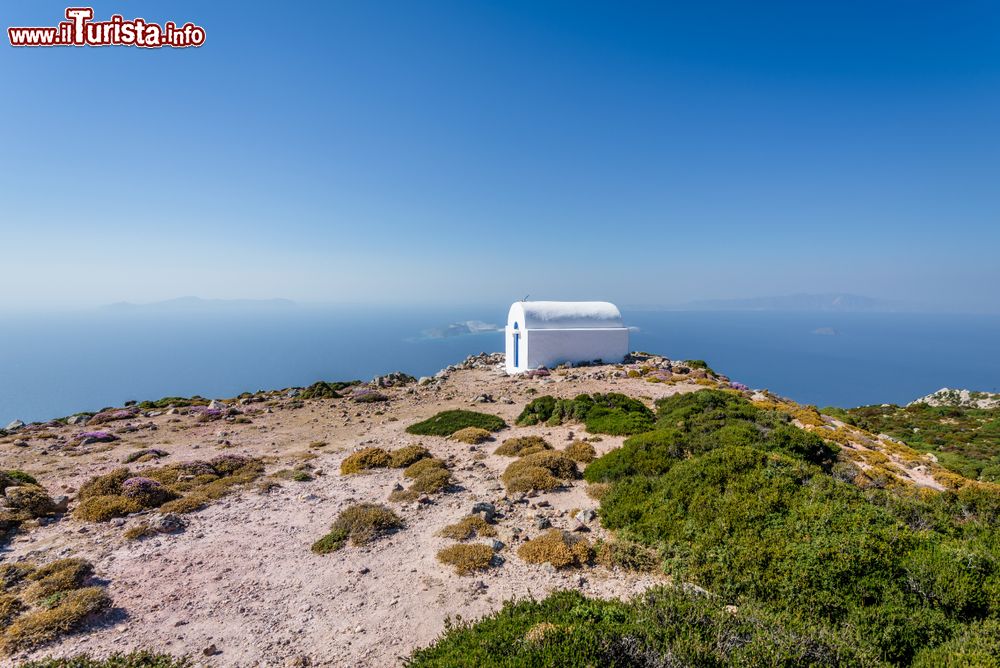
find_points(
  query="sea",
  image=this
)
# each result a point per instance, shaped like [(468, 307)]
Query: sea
[(53, 365)]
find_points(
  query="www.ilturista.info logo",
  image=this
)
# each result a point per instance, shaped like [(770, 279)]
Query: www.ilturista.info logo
[(81, 30)]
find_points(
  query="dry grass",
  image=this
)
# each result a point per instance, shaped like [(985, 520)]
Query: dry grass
[(522, 445), (104, 508), (360, 523), (471, 435), (467, 558), (559, 548), (597, 490), (539, 471), (45, 625), (539, 632), (365, 460), (424, 465), (407, 455), (55, 577), (38, 605), (430, 480), (626, 556), (580, 451), (469, 527)]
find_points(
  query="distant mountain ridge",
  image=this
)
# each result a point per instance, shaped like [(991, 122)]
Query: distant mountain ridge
[(836, 302), (199, 304)]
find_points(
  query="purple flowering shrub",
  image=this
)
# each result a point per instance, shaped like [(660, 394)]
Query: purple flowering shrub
[(230, 464), (147, 492), (113, 415), (366, 396)]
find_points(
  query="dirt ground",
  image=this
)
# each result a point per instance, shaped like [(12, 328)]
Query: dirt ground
[(241, 581)]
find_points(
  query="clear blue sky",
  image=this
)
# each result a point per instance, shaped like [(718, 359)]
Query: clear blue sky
[(477, 151)]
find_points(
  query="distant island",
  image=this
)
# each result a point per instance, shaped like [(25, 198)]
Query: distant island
[(837, 302)]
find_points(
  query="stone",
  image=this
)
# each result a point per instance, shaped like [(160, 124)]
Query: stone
[(542, 522), (425, 380), (497, 545), (60, 504), (487, 510), (20, 443), (216, 405), (585, 515), (78, 419), (14, 425), (211, 650), (168, 523), (578, 526)]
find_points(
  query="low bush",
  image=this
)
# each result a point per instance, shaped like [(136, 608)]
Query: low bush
[(422, 466), (471, 435), (109, 484), (324, 390), (175, 488), (360, 524), (472, 526), (663, 627), (580, 451), (625, 555), (367, 396), (539, 471), (137, 659), (42, 626), (467, 558), (13, 478), (407, 455), (429, 480), (522, 445), (447, 423), (146, 492), (611, 413), (365, 460), (104, 508), (38, 605), (562, 549), (55, 577)]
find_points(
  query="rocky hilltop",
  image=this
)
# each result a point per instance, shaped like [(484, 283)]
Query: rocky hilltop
[(959, 399), (344, 523)]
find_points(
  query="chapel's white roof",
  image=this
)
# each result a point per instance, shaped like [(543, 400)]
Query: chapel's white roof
[(564, 315)]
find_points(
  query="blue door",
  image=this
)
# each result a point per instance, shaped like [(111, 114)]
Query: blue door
[(517, 346)]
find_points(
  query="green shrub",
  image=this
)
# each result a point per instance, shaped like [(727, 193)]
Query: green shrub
[(447, 423), (522, 445), (663, 627), (361, 524), (13, 477), (610, 413), (324, 390)]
